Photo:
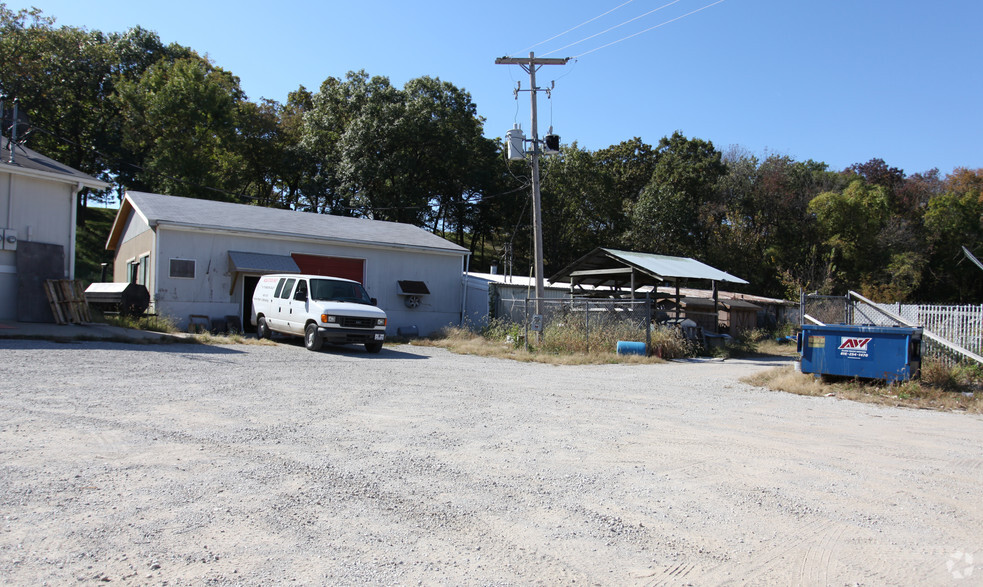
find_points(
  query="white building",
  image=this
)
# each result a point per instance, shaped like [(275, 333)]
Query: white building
[(204, 258), (37, 229), (493, 295)]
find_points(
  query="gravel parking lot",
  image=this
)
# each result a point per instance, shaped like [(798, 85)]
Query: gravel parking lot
[(186, 464)]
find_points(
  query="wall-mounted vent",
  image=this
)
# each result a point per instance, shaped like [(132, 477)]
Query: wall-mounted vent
[(412, 291), (413, 288)]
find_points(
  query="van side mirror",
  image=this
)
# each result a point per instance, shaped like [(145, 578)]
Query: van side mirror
[(374, 301), (300, 295)]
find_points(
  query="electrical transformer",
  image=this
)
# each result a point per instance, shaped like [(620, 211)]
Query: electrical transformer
[(515, 139)]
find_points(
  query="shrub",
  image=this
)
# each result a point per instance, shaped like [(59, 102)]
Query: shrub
[(504, 331), (669, 343)]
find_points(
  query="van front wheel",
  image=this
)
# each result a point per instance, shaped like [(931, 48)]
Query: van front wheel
[(373, 347), (312, 338)]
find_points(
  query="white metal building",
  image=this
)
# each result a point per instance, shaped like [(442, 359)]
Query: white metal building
[(37, 228), (204, 258), (496, 295)]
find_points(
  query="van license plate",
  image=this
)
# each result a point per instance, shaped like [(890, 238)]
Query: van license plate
[(380, 337)]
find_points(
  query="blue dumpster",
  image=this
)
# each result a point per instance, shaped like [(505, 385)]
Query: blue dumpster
[(871, 352)]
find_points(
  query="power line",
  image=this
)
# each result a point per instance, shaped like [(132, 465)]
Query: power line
[(649, 29), (614, 27), (570, 30)]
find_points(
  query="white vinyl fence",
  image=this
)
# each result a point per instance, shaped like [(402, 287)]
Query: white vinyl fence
[(961, 325)]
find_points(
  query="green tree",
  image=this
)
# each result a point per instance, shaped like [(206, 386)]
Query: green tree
[(458, 160), (58, 75), (332, 111), (849, 223), (415, 154), (952, 221), (65, 78), (574, 196), (678, 208), (179, 122), (261, 148), (297, 166), (586, 197), (790, 257)]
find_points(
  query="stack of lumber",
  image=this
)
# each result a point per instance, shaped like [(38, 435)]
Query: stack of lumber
[(67, 299)]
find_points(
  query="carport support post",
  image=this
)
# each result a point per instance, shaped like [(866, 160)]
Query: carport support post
[(677, 300), (648, 325), (716, 317), (587, 325), (526, 321)]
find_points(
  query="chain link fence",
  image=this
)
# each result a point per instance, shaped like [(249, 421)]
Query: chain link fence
[(580, 324), (826, 309)]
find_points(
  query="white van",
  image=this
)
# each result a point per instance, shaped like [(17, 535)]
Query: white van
[(321, 309)]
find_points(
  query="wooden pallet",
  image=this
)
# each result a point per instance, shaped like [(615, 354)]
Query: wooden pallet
[(67, 299)]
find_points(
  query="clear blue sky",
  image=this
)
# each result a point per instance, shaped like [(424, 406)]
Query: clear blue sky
[(831, 80)]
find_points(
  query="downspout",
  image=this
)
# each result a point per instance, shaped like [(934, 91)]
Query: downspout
[(155, 259), (10, 198), (464, 298), (71, 228)]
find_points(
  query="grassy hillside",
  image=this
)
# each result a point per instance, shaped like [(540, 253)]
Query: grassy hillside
[(90, 244)]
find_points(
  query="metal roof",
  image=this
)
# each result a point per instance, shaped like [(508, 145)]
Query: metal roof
[(620, 268), (725, 303), (210, 215)]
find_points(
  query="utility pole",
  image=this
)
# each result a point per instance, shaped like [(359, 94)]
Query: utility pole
[(530, 65)]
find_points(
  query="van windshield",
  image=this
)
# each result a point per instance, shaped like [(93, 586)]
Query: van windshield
[(330, 290)]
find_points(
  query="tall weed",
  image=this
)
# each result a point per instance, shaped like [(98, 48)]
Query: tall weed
[(152, 323)]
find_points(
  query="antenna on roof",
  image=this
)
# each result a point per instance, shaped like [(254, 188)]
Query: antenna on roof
[(18, 123), (13, 130)]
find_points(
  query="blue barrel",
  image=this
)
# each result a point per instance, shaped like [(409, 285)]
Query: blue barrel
[(627, 347)]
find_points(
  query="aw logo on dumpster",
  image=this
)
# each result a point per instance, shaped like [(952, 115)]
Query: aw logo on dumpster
[(854, 347)]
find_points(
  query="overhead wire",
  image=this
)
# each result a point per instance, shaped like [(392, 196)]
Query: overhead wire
[(631, 20), (570, 30), (648, 29)]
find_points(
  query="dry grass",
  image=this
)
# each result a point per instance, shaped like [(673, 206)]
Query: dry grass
[(771, 347), (508, 344), (965, 395), (567, 344), (231, 338), (164, 324)]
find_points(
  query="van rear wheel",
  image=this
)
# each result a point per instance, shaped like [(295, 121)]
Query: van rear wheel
[(373, 347), (262, 328), (312, 338)]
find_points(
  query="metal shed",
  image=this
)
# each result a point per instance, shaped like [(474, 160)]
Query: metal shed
[(620, 269), (628, 271)]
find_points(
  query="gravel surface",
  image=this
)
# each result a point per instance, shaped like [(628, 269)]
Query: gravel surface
[(256, 465)]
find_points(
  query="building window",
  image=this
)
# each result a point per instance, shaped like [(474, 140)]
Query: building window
[(137, 271), (184, 268)]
